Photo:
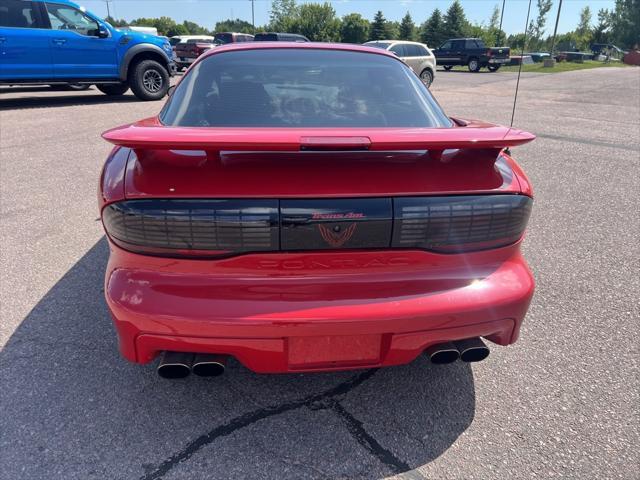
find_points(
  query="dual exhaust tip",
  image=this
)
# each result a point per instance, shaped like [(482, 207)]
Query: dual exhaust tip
[(179, 364), (468, 350)]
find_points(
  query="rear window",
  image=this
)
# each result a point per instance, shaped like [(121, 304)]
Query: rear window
[(224, 37), (18, 14), (302, 88), (266, 37)]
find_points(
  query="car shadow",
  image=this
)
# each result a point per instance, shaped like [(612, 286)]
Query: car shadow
[(47, 98), (71, 407), (482, 70)]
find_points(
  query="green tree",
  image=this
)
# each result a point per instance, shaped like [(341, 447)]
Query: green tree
[(455, 22), (378, 30), (162, 24), (535, 31), (584, 32), (584, 25), (178, 29), (195, 29), (625, 23), (392, 29), (432, 31), (495, 36), (601, 32), (317, 22), (236, 25), (516, 41), (354, 29), (407, 29), (494, 20), (117, 22), (283, 15), (487, 35)]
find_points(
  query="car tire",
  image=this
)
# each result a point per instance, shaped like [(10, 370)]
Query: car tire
[(447, 67), (493, 68), (113, 89), (427, 77), (473, 65), (149, 80)]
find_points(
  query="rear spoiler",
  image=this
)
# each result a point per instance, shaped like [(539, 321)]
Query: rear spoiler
[(464, 135)]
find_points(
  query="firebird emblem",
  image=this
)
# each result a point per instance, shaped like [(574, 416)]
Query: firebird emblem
[(337, 238)]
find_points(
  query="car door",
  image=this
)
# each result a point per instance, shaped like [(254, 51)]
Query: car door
[(443, 53), (399, 50), (458, 53), (76, 47), (412, 57), (25, 53)]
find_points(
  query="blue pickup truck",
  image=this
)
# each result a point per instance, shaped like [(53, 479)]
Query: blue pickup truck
[(59, 43)]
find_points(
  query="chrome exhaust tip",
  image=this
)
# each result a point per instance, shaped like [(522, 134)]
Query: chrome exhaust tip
[(472, 349), (442, 353), (209, 365), (175, 365)]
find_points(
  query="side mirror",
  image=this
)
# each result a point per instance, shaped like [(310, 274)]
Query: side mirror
[(171, 90), (102, 32)]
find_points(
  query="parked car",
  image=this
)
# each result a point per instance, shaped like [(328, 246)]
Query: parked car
[(187, 52), (604, 48), (471, 52), (62, 44), (279, 37), (305, 207), (176, 39), (232, 37), (416, 55), (538, 57)]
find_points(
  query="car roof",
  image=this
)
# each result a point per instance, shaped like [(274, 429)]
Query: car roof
[(395, 41), (344, 47)]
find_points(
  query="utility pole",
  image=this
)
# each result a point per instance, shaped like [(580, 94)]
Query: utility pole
[(551, 61), (498, 39), (108, 11), (253, 16)]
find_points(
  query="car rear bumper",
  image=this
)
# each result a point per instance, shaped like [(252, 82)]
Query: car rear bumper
[(313, 312)]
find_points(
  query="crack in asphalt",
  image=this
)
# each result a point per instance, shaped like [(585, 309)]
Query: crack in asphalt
[(319, 401), (587, 141), (357, 430)]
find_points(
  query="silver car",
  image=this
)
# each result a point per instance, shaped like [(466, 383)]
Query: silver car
[(416, 55)]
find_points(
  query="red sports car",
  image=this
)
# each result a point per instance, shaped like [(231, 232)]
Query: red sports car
[(310, 207)]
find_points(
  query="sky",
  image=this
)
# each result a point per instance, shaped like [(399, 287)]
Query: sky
[(208, 12)]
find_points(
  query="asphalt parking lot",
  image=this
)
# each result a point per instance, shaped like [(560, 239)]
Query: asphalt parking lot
[(563, 402)]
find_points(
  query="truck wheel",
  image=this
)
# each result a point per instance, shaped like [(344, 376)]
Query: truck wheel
[(493, 68), (447, 67), (427, 77), (474, 65), (113, 89), (149, 80)]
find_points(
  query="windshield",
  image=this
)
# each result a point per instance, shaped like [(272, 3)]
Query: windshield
[(302, 88)]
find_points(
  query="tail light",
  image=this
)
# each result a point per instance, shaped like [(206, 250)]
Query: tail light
[(206, 228), (200, 49), (459, 223), (489, 52), (218, 228)]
